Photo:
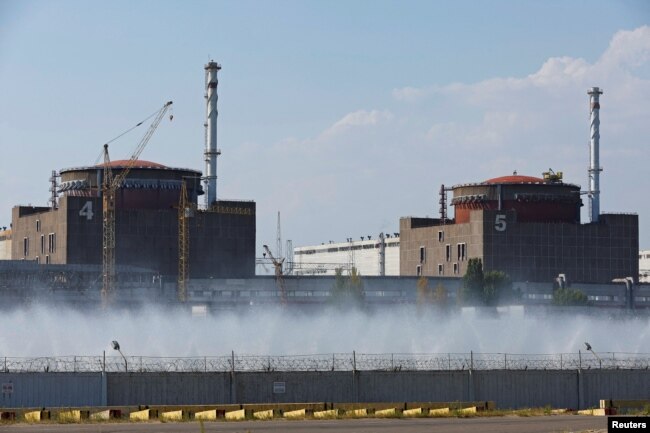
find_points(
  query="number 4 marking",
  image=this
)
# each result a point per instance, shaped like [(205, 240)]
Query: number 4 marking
[(500, 223), (87, 210)]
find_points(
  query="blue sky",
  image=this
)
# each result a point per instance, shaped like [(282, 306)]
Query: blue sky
[(344, 116)]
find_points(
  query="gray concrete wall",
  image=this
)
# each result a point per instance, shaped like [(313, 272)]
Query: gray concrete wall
[(508, 388), (528, 388), (52, 389), (168, 388)]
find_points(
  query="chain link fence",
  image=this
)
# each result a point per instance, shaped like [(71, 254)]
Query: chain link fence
[(330, 362)]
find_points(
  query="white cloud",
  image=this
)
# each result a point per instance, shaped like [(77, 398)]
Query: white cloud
[(359, 118)]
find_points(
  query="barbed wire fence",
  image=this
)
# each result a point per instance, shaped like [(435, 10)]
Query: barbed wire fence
[(328, 362)]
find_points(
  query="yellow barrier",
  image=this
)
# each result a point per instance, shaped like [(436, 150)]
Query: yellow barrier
[(37, 415), (267, 414), (332, 413), (414, 412), (237, 415), (468, 410), (143, 415), (593, 412), (300, 413), (105, 415), (358, 412), (73, 415), (206, 415), (388, 412), (441, 411), (174, 415)]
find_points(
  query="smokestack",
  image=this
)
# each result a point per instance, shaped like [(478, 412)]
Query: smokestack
[(211, 151), (594, 148)]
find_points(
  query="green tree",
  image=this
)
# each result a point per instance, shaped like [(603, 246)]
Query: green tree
[(473, 281), (347, 290), (440, 296), (424, 291), (424, 294), (497, 286), (569, 297)]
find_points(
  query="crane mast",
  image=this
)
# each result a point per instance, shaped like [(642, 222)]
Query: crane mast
[(279, 278), (110, 185)]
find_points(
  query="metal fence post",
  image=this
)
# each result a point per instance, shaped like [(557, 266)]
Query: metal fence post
[(74, 364), (104, 363), (471, 360), (579, 359), (449, 360), (354, 361), (560, 361), (505, 361)]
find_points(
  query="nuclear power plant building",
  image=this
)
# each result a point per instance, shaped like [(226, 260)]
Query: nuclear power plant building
[(526, 226)]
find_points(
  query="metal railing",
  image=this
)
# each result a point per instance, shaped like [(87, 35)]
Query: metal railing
[(330, 362)]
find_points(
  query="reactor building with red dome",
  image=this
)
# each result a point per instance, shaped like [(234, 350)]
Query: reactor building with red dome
[(219, 234), (526, 226)]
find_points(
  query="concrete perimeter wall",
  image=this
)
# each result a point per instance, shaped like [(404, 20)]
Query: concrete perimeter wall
[(508, 388)]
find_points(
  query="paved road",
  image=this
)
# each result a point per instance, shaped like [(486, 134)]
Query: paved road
[(507, 424)]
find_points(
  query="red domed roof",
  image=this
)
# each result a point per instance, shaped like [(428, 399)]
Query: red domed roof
[(140, 163), (515, 179)]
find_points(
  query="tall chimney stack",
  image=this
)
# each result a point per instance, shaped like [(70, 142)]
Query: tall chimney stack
[(594, 148), (211, 150)]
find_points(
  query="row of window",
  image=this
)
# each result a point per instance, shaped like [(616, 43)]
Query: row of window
[(47, 259), (441, 269), (50, 244), (461, 252), (354, 248)]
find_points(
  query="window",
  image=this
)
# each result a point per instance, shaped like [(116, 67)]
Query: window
[(38, 260), (441, 269), (441, 236), (418, 270), (47, 260), (51, 243), (455, 268), (25, 247), (42, 244), (462, 251), (38, 225), (423, 255), (448, 252)]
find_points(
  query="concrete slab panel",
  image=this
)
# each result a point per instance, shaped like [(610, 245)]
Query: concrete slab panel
[(324, 414), (238, 415), (37, 415), (414, 412), (440, 411), (73, 415), (388, 412), (206, 415), (143, 415)]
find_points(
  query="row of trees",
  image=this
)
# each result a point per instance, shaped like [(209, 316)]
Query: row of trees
[(478, 288)]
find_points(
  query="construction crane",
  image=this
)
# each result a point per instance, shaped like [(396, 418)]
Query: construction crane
[(110, 185), (279, 277), (186, 209)]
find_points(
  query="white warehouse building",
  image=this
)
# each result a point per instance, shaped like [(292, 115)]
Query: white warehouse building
[(371, 257), (644, 266)]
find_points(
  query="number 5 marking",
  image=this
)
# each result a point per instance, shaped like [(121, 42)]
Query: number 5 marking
[(500, 223)]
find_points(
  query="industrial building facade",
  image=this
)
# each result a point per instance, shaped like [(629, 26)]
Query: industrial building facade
[(222, 240), (371, 257), (527, 227)]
